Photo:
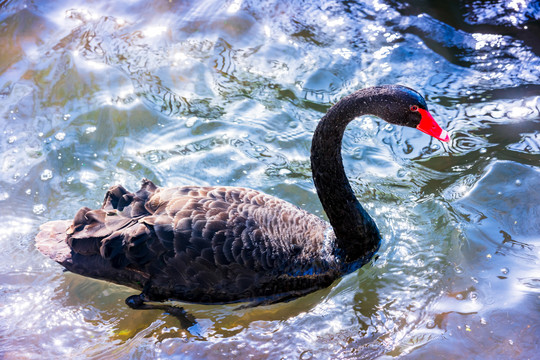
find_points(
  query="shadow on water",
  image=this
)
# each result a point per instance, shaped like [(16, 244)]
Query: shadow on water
[(97, 94)]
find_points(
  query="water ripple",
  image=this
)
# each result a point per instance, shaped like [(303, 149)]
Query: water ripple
[(91, 96)]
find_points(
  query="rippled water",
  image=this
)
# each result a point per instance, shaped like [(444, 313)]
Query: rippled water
[(210, 92)]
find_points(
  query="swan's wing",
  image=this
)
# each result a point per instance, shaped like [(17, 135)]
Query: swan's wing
[(226, 243)]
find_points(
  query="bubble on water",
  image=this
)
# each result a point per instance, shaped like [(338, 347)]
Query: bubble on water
[(28, 191), (284, 172), (46, 175), (4, 196), (518, 182), (459, 296), (60, 136), (430, 324), (306, 355), (505, 271), (511, 342), (483, 321), (39, 209), (483, 150), (11, 139), (473, 296), (458, 270), (402, 173), (269, 137), (67, 116), (259, 148), (190, 122)]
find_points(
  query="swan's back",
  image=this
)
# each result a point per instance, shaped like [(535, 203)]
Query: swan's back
[(200, 244)]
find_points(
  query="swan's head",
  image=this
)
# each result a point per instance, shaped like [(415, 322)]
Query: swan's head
[(406, 107)]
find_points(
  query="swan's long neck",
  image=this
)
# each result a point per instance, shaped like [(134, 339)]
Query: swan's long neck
[(356, 233)]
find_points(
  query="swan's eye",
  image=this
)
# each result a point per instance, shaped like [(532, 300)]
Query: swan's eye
[(414, 108)]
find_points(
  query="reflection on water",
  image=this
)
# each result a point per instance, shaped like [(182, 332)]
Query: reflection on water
[(94, 94)]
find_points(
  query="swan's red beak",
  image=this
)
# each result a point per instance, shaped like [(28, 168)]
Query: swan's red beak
[(430, 126)]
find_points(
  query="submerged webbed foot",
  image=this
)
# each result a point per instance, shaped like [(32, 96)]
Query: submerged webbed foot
[(140, 302), (137, 301)]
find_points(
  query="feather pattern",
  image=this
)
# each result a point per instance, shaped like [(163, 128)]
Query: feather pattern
[(201, 244)]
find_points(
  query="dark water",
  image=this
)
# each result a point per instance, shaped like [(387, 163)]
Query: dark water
[(209, 92)]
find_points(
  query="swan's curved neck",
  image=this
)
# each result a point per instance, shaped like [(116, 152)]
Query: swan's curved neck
[(356, 233)]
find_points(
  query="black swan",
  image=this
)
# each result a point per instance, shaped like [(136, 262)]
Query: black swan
[(230, 244)]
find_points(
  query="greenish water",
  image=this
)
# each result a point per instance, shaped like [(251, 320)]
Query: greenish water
[(208, 92)]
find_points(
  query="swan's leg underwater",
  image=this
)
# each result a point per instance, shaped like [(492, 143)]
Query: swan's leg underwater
[(141, 302), (138, 302)]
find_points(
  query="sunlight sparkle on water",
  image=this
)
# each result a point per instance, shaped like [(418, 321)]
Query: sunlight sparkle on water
[(267, 30), (90, 129), (179, 58), (383, 52), (332, 22), (89, 179), (89, 64), (234, 7), (519, 112), (487, 40), (343, 52), (39, 209), (60, 136), (154, 31), (120, 21)]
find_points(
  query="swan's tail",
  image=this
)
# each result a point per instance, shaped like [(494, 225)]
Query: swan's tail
[(51, 240), (102, 243)]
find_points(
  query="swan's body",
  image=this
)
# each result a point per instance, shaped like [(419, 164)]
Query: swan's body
[(229, 244), (199, 244)]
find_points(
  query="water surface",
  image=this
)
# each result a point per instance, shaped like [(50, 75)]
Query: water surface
[(94, 94)]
